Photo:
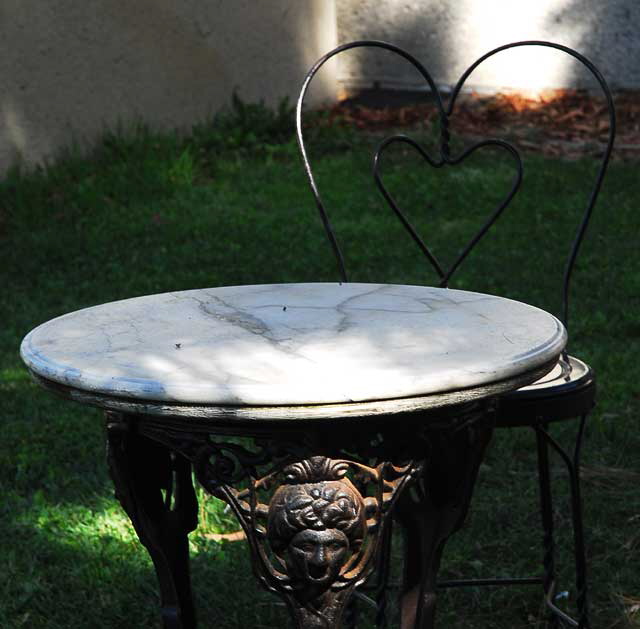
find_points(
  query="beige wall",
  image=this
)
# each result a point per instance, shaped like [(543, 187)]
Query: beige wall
[(70, 68), (448, 35)]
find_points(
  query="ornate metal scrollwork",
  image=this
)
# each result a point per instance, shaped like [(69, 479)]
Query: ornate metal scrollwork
[(316, 505), (314, 527), (313, 522)]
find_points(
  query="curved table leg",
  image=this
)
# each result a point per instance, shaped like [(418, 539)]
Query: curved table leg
[(431, 512), (155, 489)]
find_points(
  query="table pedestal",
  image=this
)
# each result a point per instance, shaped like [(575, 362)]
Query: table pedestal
[(314, 503)]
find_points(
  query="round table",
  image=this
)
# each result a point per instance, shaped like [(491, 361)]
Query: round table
[(356, 401)]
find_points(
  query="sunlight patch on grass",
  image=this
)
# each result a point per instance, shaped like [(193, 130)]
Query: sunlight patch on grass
[(71, 523)]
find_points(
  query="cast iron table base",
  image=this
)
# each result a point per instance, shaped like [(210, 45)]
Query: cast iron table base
[(314, 503)]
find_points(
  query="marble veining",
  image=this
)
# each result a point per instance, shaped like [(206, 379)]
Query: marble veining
[(289, 344)]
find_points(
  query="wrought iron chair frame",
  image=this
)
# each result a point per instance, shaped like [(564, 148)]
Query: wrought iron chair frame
[(586, 393)]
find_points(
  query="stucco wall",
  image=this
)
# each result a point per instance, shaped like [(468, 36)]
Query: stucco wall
[(448, 36), (68, 68)]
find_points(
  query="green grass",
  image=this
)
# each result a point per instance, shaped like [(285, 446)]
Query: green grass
[(149, 212)]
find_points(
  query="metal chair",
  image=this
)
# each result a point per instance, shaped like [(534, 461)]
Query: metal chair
[(568, 392)]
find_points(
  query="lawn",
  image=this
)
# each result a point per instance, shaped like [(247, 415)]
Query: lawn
[(147, 213)]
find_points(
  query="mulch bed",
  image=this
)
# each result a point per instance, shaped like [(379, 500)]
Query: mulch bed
[(563, 123)]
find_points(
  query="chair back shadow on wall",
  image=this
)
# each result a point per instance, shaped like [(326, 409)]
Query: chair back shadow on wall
[(569, 390)]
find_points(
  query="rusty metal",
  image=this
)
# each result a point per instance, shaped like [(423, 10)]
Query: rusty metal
[(313, 524), (314, 503)]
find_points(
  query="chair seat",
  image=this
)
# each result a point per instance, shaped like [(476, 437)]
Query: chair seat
[(567, 391)]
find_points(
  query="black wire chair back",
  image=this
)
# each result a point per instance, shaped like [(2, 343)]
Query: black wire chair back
[(445, 158)]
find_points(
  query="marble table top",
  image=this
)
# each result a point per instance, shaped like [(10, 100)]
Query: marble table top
[(293, 344)]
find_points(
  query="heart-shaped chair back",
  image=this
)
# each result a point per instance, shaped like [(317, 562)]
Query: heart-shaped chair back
[(446, 159)]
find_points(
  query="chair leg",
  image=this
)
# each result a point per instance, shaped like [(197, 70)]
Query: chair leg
[(578, 531), (546, 512), (572, 464)]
